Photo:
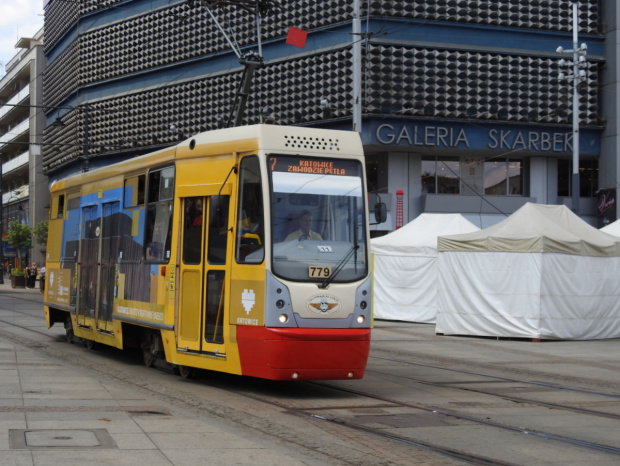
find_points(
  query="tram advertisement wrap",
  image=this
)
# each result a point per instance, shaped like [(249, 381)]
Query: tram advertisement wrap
[(143, 311), (59, 286), (248, 303)]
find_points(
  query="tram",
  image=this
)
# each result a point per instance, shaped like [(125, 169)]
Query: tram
[(243, 250)]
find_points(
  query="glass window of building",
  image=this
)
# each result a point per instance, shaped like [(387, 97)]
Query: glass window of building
[(503, 177), (440, 175), (376, 173), (588, 178), (472, 175)]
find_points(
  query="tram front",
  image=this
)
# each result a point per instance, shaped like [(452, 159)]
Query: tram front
[(317, 294)]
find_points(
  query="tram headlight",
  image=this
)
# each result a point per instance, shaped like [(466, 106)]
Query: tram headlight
[(283, 318), (363, 304), (361, 319), (280, 303)]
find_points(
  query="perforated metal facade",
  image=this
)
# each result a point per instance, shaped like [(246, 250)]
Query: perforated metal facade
[(487, 86), (402, 78)]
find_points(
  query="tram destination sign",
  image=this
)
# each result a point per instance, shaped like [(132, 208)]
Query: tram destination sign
[(313, 165)]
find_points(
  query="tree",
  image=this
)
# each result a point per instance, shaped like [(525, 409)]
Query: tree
[(40, 233), (19, 235)]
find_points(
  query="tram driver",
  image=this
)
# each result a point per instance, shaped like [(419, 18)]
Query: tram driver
[(304, 220)]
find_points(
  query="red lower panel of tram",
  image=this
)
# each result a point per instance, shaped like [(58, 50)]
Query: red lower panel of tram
[(303, 354)]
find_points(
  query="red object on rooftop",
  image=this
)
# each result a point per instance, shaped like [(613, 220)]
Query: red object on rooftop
[(296, 37)]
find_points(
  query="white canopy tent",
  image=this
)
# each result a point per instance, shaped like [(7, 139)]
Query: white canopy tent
[(612, 228), (404, 267), (542, 273)]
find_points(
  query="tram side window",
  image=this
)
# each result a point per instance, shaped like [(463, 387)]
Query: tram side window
[(58, 207), (218, 229), (161, 184), (134, 191), (158, 233), (250, 232), (192, 230)]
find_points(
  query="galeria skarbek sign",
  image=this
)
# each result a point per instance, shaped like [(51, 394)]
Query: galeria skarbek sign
[(483, 137)]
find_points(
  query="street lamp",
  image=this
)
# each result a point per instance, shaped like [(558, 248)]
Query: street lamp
[(578, 75)]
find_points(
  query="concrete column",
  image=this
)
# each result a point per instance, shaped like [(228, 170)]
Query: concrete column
[(415, 185), (609, 164), (538, 180), (39, 188)]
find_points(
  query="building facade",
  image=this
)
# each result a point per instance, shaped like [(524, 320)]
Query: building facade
[(25, 194), (461, 106)]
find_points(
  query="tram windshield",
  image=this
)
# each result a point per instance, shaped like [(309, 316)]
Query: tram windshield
[(317, 219)]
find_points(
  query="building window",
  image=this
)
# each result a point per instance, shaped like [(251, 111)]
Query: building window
[(503, 177), (588, 178), (376, 172), (472, 176), (440, 175)]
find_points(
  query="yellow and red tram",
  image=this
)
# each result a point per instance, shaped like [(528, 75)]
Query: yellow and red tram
[(243, 250)]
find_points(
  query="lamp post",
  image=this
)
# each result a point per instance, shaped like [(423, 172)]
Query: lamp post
[(577, 74), (357, 68)]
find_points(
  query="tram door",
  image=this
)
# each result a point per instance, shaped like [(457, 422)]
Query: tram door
[(99, 248), (202, 287), (110, 247), (88, 259)]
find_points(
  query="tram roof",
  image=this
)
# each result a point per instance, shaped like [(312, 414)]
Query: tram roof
[(241, 139)]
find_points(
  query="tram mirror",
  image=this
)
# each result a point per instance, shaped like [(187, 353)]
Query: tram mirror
[(380, 212)]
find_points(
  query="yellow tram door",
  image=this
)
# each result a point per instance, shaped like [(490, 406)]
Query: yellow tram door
[(202, 282)]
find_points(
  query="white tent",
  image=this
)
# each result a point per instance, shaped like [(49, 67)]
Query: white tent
[(612, 228), (404, 267), (542, 273)]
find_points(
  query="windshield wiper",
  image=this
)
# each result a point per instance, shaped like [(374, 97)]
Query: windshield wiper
[(330, 279)]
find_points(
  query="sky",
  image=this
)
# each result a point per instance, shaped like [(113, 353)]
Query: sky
[(18, 18)]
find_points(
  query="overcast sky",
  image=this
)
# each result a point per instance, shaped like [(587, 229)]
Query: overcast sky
[(18, 18)]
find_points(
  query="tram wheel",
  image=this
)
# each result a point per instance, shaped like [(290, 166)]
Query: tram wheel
[(147, 349), (69, 336), (186, 372), (89, 344)]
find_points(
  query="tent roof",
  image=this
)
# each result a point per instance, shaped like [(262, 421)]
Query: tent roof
[(612, 228), (537, 228), (421, 234)]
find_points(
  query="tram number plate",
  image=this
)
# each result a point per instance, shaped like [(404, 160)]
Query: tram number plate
[(315, 271)]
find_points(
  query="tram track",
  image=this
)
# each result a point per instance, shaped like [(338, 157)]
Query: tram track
[(269, 393), (451, 413), (454, 454), (505, 396), (440, 412), (173, 391), (489, 344)]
